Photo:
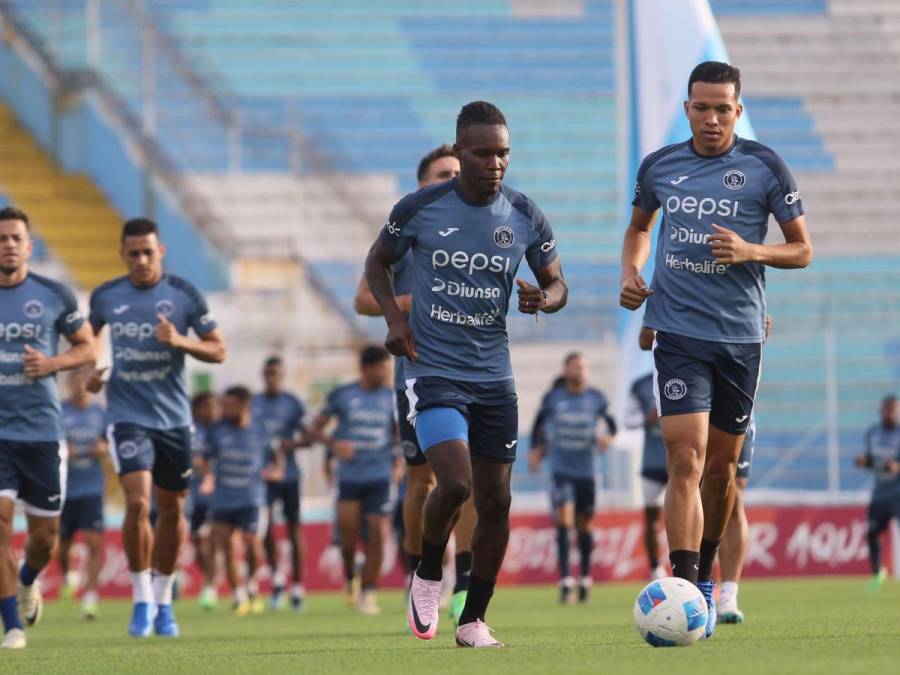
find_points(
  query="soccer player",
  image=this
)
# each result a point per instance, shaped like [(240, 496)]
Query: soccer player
[(239, 459), (707, 303), (438, 166), (468, 236), (34, 313), (205, 411), (84, 424), (363, 442), (281, 415), (882, 457), (566, 429), (149, 313), (642, 413)]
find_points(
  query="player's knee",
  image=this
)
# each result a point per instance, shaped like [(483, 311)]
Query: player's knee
[(720, 473), (137, 506), (417, 492), (456, 490), (42, 540), (494, 507), (684, 465), (6, 525)]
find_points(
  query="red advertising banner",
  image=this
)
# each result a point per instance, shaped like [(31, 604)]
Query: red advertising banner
[(784, 541)]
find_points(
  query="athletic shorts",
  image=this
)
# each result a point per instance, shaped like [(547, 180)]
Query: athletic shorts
[(375, 496), (35, 472), (580, 491), (408, 441), (200, 513), (166, 453), (653, 491), (487, 415), (745, 461), (81, 513), (880, 513), (249, 519), (288, 495), (701, 376)]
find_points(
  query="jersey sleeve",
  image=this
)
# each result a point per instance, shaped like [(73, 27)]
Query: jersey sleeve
[(70, 318), (95, 317), (332, 406), (399, 232), (542, 248), (644, 195), (782, 194), (200, 319), (299, 420), (603, 412)]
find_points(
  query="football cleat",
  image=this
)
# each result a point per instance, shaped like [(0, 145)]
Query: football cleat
[(707, 588), (31, 603), (141, 624), (14, 639), (457, 603), (423, 610), (165, 625), (476, 634)]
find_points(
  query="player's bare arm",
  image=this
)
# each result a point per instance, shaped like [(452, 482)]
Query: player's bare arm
[(796, 251), (364, 302), (635, 251), (36, 364), (400, 340), (552, 294), (209, 348)]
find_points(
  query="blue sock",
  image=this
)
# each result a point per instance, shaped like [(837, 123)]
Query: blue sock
[(10, 613), (27, 575)]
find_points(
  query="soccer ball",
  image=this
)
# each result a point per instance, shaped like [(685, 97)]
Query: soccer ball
[(670, 612)]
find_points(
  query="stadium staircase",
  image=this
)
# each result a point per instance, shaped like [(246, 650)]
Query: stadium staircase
[(71, 216), (822, 88)]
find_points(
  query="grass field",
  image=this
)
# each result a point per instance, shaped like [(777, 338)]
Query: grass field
[(819, 626)]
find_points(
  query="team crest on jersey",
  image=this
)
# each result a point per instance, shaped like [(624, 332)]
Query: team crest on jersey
[(165, 307), (128, 450), (504, 237), (33, 309), (734, 179), (675, 389)]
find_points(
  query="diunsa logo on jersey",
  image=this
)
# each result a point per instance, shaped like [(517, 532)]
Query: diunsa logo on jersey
[(734, 179), (165, 307), (675, 389), (33, 309), (504, 237)]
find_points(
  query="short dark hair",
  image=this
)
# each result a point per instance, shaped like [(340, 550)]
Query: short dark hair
[(571, 356), (138, 227), (272, 361), (373, 354), (240, 392), (12, 213), (890, 399), (200, 399), (445, 150), (478, 112), (716, 72)]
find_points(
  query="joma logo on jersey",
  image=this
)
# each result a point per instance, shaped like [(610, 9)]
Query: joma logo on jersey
[(470, 263), (705, 206), (132, 329), (20, 331)]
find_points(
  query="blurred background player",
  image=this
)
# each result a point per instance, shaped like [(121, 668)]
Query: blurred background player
[(470, 231), (733, 550), (882, 458), (707, 303), (84, 423), (205, 412), (438, 166), (34, 312), (566, 430), (364, 441), (149, 313), (281, 414), (239, 459), (642, 413)]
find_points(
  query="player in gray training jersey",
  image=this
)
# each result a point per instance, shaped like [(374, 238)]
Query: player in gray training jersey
[(467, 237), (149, 314), (34, 313), (707, 302)]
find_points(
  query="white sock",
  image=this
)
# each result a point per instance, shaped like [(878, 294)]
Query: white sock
[(278, 578), (209, 588), (142, 586), (252, 587), (240, 595), (90, 597), (729, 589), (162, 588), (299, 590)]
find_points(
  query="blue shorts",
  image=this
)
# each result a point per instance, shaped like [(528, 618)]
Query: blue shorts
[(35, 472), (880, 513), (701, 376), (81, 513), (166, 453), (200, 510), (745, 461), (375, 496), (580, 491), (488, 415), (245, 518), (412, 453), (288, 494)]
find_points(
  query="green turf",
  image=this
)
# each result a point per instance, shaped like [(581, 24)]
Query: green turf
[(819, 626)]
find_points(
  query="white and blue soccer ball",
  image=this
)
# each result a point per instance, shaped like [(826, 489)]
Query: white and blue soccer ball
[(670, 612)]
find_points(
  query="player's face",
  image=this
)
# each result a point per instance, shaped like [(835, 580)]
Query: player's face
[(645, 339), (890, 413), (483, 151), (377, 375), (440, 170), (234, 409), (143, 255), (273, 376), (208, 411), (712, 110), (576, 372), (15, 246)]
